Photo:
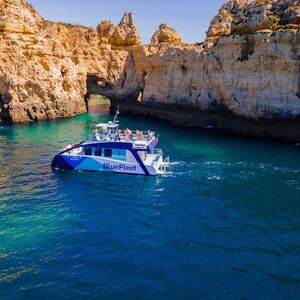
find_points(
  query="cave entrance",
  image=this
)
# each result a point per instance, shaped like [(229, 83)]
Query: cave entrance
[(98, 104)]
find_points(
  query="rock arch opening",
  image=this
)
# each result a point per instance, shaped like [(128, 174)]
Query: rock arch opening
[(98, 104), (98, 96)]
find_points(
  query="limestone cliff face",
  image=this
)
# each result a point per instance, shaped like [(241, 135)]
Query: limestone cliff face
[(44, 65), (245, 77)]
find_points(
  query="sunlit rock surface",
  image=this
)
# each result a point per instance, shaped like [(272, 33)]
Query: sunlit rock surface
[(245, 77), (165, 34)]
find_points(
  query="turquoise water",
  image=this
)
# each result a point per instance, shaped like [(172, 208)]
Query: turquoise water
[(224, 223)]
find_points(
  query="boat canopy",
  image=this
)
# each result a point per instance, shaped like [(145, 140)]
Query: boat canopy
[(110, 125)]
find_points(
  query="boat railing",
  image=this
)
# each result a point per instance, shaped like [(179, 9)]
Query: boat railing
[(122, 136), (141, 136)]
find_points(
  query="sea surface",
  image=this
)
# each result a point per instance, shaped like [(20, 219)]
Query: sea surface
[(223, 223)]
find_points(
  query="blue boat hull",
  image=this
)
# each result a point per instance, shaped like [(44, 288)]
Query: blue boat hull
[(67, 162)]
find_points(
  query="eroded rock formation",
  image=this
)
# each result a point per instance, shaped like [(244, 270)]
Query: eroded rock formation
[(123, 35), (44, 65), (245, 77), (165, 34), (246, 17)]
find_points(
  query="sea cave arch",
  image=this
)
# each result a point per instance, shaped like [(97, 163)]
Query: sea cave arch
[(99, 89), (99, 94)]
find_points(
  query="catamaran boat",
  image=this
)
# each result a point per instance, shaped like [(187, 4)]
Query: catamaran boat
[(112, 150)]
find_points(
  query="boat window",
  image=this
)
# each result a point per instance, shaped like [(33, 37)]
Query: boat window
[(107, 152), (119, 154), (88, 151), (98, 151)]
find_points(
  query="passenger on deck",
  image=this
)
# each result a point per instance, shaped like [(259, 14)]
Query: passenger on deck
[(107, 136), (117, 135), (149, 135), (139, 135), (102, 135), (96, 135), (128, 131), (128, 134)]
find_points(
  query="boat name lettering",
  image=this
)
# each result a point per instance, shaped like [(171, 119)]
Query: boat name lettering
[(120, 167)]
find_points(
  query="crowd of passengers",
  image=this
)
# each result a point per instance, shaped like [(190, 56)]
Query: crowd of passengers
[(118, 135)]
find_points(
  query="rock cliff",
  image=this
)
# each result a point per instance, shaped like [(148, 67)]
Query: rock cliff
[(44, 65), (245, 77)]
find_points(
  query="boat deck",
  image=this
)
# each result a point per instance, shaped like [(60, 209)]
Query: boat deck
[(121, 136)]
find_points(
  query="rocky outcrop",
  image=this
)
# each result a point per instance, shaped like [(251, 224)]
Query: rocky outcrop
[(105, 30), (165, 34), (17, 16), (44, 65), (241, 83), (245, 17), (244, 78), (124, 35)]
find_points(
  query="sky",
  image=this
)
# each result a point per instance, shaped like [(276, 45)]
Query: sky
[(190, 18)]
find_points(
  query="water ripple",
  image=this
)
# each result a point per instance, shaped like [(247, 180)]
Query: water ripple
[(223, 223)]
